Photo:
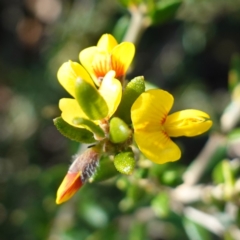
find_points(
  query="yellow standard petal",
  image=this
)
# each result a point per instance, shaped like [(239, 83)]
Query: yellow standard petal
[(106, 56), (111, 91), (69, 186), (86, 58), (121, 58), (188, 123), (71, 110), (69, 72), (148, 115), (107, 42)]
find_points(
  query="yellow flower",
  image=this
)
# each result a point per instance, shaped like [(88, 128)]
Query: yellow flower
[(153, 127), (107, 55), (110, 90)]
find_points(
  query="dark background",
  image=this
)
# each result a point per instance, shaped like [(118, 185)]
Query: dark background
[(188, 55)]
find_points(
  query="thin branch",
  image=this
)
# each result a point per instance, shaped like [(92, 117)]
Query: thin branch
[(197, 168)]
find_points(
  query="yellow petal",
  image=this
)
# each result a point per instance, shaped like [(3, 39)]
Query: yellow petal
[(111, 91), (107, 42), (188, 123), (150, 110), (69, 186), (122, 56), (148, 114), (157, 146), (69, 72), (87, 57), (71, 110)]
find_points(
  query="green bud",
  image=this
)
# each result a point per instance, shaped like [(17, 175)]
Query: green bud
[(91, 102), (91, 126), (132, 91), (118, 130), (76, 134), (124, 162)]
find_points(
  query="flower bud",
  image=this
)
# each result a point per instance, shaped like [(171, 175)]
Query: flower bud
[(119, 131), (83, 167), (125, 162)]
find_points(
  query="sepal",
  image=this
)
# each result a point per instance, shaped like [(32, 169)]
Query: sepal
[(91, 126)]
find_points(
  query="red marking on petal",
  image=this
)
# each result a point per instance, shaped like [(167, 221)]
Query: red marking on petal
[(69, 186), (101, 65), (118, 67), (162, 121)]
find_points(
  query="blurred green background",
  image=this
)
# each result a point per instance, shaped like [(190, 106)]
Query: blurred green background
[(189, 48)]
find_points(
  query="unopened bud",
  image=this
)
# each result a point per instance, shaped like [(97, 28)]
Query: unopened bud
[(82, 168)]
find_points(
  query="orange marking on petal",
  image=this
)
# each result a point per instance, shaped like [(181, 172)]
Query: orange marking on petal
[(118, 67), (69, 186), (162, 121), (101, 65)]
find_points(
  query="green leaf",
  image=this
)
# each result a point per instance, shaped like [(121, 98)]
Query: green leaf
[(132, 91), (76, 134), (91, 102), (121, 27), (124, 162), (138, 231), (224, 173), (105, 170), (164, 11), (195, 231), (119, 131), (126, 3), (234, 73), (91, 126), (234, 134), (161, 205)]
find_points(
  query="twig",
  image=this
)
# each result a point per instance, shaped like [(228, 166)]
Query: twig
[(207, 221), (195, 171), (138, 23)]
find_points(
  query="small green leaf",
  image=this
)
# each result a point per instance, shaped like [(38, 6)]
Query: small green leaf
[(124, 162), (121, 27), (164, 10), (91, 102), (132, 91), (119, 131), (234, 134), (76, 134), (127, 3), (105, 170), (161, 205), (91, 126), (234, 73)]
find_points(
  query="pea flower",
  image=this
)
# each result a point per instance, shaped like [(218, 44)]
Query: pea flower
[(153, 127), (107, 55), (88, 102), (89, 107)]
